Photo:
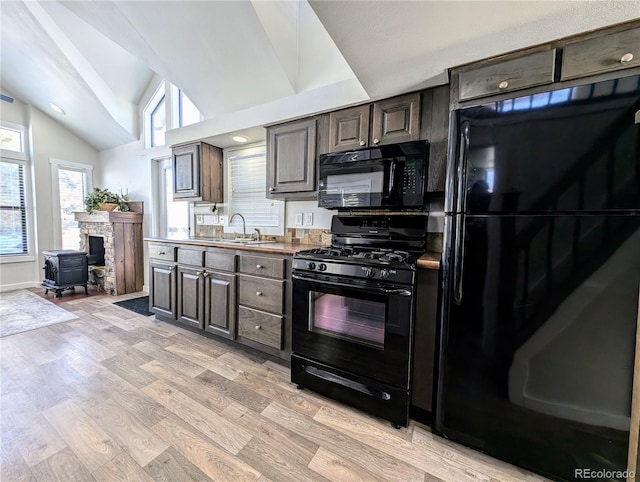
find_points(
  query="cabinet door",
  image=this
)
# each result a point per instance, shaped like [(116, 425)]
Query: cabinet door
[(291, 157), (615, 51), (507, 76), (190, 296), (162, 292), (220, 304), (186, 171), (396, 120), (349, 128)]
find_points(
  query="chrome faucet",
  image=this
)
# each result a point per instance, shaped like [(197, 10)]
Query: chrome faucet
[(257, 234), (244, 226)]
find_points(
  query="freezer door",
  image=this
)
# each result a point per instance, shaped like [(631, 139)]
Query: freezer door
[(538, 337), (575, 149)]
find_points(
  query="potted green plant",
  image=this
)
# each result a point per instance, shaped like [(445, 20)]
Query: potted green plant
[(105, 200)]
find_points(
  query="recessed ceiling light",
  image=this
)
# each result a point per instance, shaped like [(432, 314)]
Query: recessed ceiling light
[(241, 139), (57, 108)]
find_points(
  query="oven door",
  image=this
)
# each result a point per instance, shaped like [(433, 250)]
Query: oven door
[(361, 327)]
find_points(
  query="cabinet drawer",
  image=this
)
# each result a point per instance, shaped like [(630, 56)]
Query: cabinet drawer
[(220, 261), (261, 327), (507, 76), (260, 293), (262, 266), (193, 257), (162, 251), (601, 54)]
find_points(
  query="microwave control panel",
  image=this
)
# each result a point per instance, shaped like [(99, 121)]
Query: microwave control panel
[(410, 179)]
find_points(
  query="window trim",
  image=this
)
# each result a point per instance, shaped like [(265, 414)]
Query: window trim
[(56, 165), (22, 155), (29, 207), (251, 150)]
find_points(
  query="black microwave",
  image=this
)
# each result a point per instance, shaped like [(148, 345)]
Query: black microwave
[(385, 177)]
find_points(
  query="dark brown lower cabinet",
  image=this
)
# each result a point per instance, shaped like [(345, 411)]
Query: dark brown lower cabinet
[(191, 296), (162, 291), (220, 304)]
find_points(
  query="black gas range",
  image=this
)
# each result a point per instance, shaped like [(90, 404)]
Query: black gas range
[(354, 311)]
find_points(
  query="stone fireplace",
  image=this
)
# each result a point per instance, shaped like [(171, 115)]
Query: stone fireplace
[(121, 235)]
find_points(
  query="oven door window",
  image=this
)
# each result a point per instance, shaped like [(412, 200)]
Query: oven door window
[(353, 319)]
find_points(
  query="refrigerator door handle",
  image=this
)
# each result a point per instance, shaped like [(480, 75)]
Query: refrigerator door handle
[(458, 264), (462, 166), (458, 253)]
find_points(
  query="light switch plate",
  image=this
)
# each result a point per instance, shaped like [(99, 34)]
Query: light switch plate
[(308, 219), (298, 219), (222, 220), (200, 219)]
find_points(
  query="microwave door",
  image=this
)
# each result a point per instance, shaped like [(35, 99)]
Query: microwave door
[(364, 185)]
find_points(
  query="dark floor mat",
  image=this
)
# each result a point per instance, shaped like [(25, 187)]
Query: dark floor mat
[(139, 305)]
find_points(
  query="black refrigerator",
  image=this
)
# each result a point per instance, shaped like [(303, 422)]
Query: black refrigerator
[(541, 278)]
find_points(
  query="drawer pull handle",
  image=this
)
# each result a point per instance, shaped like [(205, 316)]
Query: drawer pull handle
[(258, 327), (258, 293), (199, 273), (161, 253), (376, 141), (362, 143), (503, 85), (205, 274), (626, 58), (258, 266)]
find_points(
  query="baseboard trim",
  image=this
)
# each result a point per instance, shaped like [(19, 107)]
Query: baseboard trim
[(18, 286)]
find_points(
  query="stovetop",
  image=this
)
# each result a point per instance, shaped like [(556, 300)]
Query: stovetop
[(357, 254), (381, 248)]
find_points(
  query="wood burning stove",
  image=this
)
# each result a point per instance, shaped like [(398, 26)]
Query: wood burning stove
[(65, 269)]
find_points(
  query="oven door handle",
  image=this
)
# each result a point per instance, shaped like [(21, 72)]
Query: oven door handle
[(384, 291)]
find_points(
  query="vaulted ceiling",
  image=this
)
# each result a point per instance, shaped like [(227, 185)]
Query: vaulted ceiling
[(245, 63)]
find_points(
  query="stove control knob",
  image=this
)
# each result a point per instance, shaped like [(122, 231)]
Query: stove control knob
[(311, 265), (322, 267), (370, 272), (384, 273)]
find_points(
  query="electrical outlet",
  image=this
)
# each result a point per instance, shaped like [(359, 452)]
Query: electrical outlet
[(200, 219), (308, 219), (298, 219), (222, 220)]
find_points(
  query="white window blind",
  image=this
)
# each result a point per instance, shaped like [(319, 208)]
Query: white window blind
[(248, 187), (72, 185), (13, 208)]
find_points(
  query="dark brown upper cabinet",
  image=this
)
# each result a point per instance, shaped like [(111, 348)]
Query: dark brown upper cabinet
[(396, 120), (291, 160), (392, 120), (507, 76), (197, 173), (604, 53), (597, 55), (349, 128)]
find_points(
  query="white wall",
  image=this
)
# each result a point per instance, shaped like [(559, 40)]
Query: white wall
[(47, 139)]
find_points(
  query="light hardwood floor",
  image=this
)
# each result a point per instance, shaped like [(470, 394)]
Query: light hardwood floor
[(117, 396)]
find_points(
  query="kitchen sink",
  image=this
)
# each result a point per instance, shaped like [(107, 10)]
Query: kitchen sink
[(242, 241)]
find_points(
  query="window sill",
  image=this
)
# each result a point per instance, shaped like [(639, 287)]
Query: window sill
[(22, 258)]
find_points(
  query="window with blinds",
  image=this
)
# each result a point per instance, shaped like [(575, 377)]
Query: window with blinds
[(13, 209), (248, 181)]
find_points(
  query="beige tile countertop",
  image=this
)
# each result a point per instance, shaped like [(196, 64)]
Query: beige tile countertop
[(429, 260), (267, 247)]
